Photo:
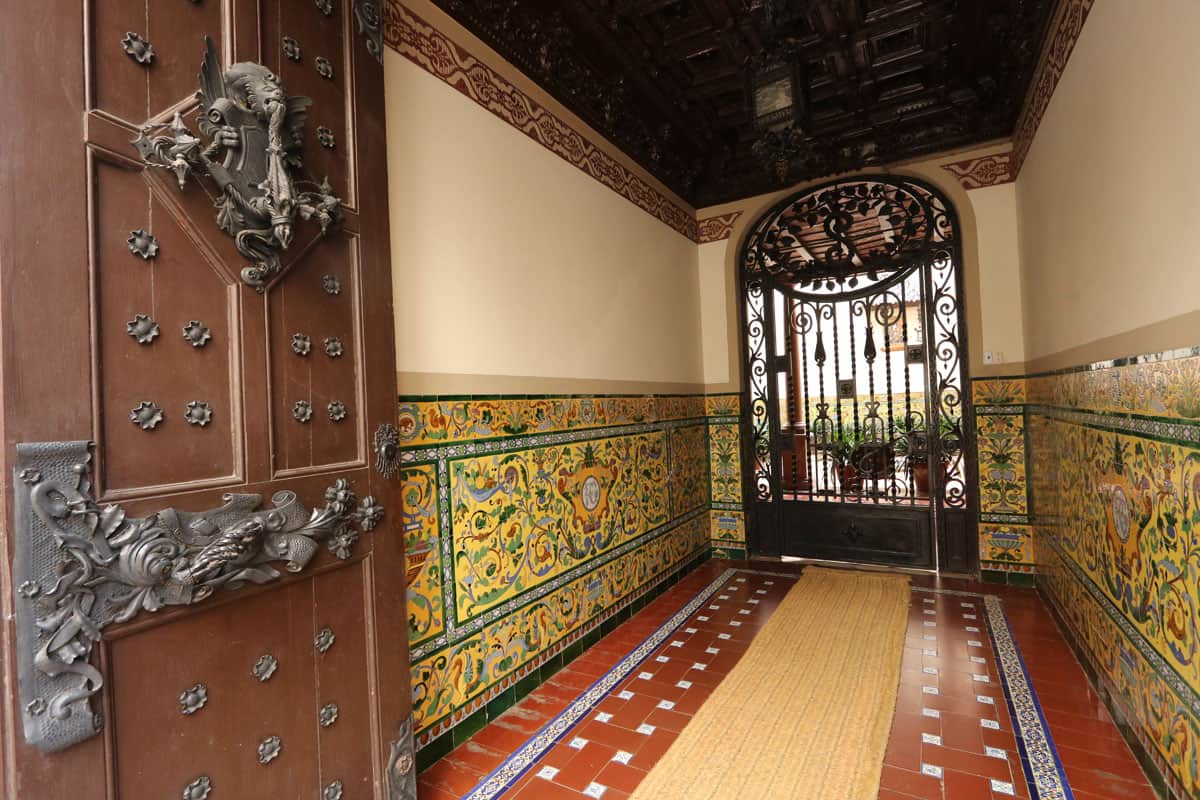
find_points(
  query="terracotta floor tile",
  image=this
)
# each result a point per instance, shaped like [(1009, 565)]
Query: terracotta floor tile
[(940, 658)]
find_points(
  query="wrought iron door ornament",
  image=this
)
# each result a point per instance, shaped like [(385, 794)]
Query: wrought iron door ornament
[(81, 566), (291, 48), (325, 137), (387, 449), (193, 699), (197, 333), (255, 133), (324, 640), (333, 791), (146, 416), (302, 411), (324, 68), (142, 244), (401, 775), (198, 789), (325, 7), (142, 328), (138, 48), (328, 715), (333, 347), (370, 25), (268, 749), (265, 667), (332, 284), (198, 413), (337, 411), (301, 344)]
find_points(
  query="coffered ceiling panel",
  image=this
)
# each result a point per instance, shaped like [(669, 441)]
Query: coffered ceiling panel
[(722, 99)]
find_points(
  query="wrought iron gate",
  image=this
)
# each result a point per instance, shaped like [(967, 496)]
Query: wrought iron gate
[(857, 418)]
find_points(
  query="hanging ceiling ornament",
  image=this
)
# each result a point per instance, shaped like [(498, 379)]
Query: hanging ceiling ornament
[(254, 135)]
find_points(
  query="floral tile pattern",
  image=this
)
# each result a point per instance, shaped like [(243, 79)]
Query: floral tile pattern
[(1116, 498), (689, 469), (528, 521), (524, 517), (1001, 439), (424, 579), (724, 455)]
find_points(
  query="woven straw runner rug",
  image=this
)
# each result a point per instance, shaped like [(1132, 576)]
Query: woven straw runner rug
[(806, 712)]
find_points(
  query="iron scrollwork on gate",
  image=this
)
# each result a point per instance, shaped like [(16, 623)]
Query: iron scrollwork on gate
[(255, 132), (853, 338), (80, 566)]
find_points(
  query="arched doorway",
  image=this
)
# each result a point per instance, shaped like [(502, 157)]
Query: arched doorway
[(858, 417)]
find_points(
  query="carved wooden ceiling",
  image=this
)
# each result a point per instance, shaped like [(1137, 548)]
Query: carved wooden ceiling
[(722, 99)]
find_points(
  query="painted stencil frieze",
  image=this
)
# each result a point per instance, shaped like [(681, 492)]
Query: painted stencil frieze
[(1002, 488), (451, 678), (689, 469), (444, 421), (522, 518), (424, 575)]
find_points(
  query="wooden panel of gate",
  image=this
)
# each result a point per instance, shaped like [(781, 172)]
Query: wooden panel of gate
[(127, 322)]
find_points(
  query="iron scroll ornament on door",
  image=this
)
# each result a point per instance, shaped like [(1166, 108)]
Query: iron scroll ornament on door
[(255, 133), (79, 567)]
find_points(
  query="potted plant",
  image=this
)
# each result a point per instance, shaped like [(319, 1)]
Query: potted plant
[(841, 448), (913, 446)]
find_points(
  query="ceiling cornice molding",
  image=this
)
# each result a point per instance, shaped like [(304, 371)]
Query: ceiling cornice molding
[(977, 173), (1064, 32), (435, 52)]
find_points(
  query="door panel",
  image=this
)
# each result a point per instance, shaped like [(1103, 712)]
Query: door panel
[(70, 286)]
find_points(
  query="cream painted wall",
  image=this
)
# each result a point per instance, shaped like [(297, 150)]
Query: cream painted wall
[(717, 328), (508, 261), (1108, 195), (1001, 321)]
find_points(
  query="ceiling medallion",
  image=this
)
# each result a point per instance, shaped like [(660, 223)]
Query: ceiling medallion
[(142, 244), (142, 328), (197, 333), (146, 416)]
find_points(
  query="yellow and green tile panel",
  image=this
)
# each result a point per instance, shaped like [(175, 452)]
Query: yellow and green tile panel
[(1116, 508), (528, 520)]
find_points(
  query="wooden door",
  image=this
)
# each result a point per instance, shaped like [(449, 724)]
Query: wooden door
[(203, 588)]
